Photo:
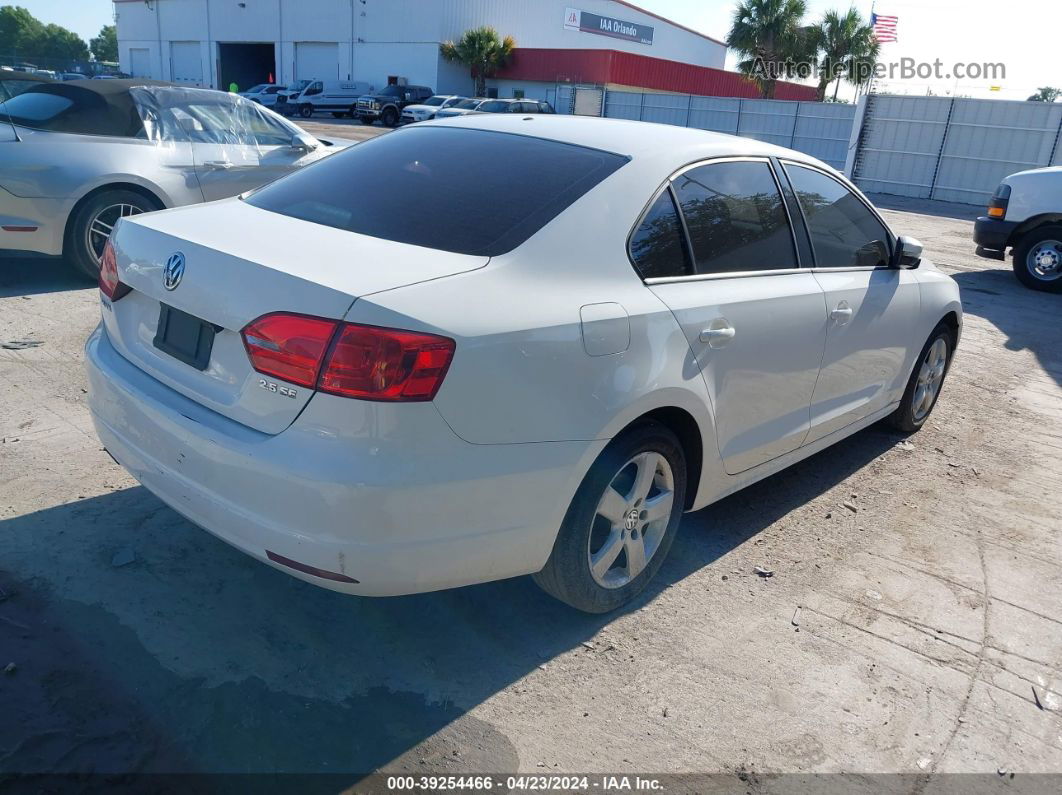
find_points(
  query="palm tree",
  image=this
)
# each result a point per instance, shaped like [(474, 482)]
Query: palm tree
[(848, 50), (769, 36), (482, 51), (1045, 94)]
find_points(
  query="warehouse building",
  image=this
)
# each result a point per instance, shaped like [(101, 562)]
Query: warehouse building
[(602, 43)]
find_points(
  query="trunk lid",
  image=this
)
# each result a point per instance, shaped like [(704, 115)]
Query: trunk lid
[(242, 262)]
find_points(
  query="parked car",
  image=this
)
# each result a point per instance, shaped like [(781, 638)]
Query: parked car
[(249, 93), (13, 82), (1025, 215), (267, 96), (428, 109), (514, 106), (461, 108), (291, 90), (337, 97), (77, 156), (388, 103), (73, 76), (653, 318)]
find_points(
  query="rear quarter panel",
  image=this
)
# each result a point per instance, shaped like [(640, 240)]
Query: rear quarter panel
[(521, 372)]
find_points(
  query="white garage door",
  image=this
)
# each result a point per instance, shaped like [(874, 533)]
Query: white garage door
[(186, 63), (316, 60), (588, 101), (139, 62)]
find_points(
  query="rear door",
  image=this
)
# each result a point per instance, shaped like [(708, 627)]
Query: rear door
[(755, 322), (873, 309)]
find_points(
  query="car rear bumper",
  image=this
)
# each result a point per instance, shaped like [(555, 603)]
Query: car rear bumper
[(993, 233), (28, 224), (390, 507)]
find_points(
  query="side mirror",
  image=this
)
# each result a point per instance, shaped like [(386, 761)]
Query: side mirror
[(908, 253), (303, 142)]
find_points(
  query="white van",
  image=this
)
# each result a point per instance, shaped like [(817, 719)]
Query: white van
[(338, 96)]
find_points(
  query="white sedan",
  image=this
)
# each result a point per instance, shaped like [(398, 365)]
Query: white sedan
[(541, 341)]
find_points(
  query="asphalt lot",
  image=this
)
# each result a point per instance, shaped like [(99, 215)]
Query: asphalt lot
[(916, 631)]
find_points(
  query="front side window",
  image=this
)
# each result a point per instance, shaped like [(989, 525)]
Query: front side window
[(439, 188), (735, 217), (844, 233), (658, 245)]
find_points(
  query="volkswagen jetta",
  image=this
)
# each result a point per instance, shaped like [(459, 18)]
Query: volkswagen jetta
[(538, 343)]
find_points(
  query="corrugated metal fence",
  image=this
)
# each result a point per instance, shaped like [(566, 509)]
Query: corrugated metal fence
[(951, 149), (821, 130)]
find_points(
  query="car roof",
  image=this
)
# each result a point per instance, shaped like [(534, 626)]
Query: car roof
[(26, 76), (631, 138)]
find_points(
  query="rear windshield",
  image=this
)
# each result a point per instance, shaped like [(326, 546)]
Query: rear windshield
[(465, 191)]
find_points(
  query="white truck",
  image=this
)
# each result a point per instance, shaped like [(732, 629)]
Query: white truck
[(1025, 215)]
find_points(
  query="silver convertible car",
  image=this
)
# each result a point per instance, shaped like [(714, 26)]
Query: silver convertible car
[(75, 157)]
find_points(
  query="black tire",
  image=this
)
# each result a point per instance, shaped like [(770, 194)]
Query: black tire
[(567, 575), (338, 115), (306, 110), (1022, 266), (76, 249), (389, 117), (907, 418)]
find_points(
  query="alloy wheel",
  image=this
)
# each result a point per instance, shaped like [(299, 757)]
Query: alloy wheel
[(99, 228), (930, 377), (631, 520)]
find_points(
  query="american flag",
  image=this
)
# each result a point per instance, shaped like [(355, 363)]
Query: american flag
[(884, 27)]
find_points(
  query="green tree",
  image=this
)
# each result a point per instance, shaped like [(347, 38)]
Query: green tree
[(105, 46), (847, 50), (482, 51), (1046, 94), (24, 36), (772, 41), (19, 29)]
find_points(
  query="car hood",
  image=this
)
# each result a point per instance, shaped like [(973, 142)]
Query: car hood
[(335, 144), (380, 97), (430, 108)]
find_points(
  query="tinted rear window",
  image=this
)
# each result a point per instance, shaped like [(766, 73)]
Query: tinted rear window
[(465, 191)]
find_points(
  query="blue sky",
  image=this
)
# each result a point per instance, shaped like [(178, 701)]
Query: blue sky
[(952, 30)]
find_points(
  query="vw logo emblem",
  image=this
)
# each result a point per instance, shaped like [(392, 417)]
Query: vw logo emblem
[(174, 271)]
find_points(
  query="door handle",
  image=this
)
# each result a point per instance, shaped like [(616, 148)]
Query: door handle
[(220, 164), (842, 314), (718, 334)]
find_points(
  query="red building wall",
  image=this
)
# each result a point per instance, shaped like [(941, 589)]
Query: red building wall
[(637, 71)]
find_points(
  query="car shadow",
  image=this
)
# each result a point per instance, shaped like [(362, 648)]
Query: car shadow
[(1028, 318), (188, 655), (34, 275)]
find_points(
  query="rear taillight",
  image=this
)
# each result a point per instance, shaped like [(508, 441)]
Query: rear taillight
[(109, 284), (375, 363), (347, 359), (997, 207), (290, 347)]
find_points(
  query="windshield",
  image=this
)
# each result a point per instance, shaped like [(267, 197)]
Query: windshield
[(439, 188), (496, 106), (258, 89), (433, 101), (393, 91), (467, 104), (298, 85)]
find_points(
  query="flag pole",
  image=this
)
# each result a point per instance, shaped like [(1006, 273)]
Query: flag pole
[(870, 85)]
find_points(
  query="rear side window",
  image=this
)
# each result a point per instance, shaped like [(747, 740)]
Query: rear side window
[(735, 217), (844, 233), (465, 191), (64, 107), (658, 245)]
